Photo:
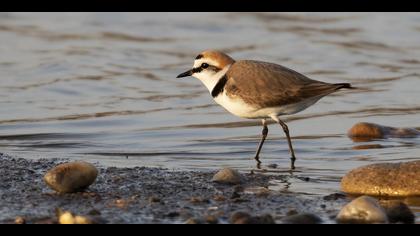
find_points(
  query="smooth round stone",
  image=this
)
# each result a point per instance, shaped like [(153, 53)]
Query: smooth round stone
[(367, 131), (227, 176), (363, 209), (71, 177), (384, 179)]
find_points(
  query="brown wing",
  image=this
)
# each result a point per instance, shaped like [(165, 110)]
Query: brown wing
[(270, 85)]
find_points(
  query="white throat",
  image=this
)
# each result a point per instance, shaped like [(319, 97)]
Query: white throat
[(210, 79)]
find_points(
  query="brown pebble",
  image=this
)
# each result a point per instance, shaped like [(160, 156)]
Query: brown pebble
[(240, 218), (20, 220), (263, 192), (367, 131), (292, 212), (71, 177), (154, 199), (211, 219)]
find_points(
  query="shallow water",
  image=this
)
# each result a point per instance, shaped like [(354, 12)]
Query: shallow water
[(102, 87)]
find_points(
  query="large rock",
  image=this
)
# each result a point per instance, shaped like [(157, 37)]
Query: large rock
[(384, 179), (361, 210), (367, 131), (71, 177)]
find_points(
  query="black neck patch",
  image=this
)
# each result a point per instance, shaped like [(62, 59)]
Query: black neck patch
[(219, 87)]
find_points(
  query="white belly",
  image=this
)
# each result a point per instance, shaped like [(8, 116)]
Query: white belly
[(239, 108)]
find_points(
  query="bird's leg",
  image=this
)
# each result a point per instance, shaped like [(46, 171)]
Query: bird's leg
[(286, 131), (264, 135)]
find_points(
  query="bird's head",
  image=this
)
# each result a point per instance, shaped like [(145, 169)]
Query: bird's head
[(209, 66)]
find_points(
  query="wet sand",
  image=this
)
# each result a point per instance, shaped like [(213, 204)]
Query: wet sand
[(151, 195)]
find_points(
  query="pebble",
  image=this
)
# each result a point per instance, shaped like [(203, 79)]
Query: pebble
[(67, 217), (173, 214), (304, 218), (121, 203), (235, 195), (71, 177), (273, 166), (20, 220), (384, 179), (194, 221), (154, 199), (398, 212), (365, 131), (211, 219), (228, 176), (363, 209), (198, 200), (245, 218)]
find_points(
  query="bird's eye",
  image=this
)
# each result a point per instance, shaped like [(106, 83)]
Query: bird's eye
[(204, 65)]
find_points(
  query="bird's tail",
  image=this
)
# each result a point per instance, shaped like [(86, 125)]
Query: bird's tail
[(344, 85)]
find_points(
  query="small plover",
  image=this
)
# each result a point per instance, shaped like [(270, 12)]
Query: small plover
[(258, 90)]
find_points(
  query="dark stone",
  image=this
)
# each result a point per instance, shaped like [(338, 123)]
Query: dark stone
[(305, 218)]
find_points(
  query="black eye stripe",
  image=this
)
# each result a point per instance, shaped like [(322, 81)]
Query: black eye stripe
[(197, 70)]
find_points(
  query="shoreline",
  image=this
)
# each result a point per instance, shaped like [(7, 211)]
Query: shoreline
[(152, 195)]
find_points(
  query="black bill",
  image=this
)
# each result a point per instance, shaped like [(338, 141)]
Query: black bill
[(185, 74)]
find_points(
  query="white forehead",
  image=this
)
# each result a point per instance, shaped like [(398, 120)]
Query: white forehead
[(198, 62)]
